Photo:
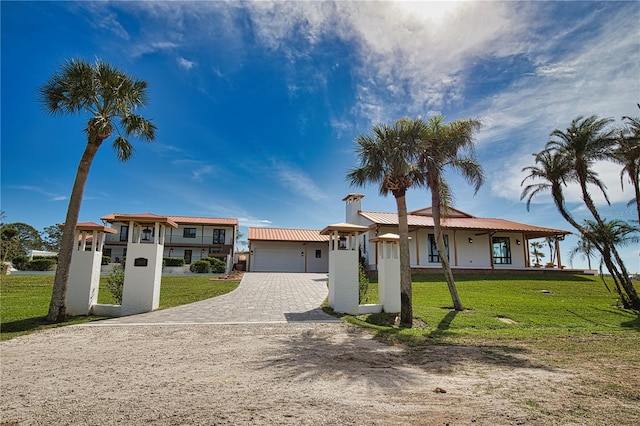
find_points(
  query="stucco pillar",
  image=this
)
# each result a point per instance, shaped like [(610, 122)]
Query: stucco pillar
[(343, 266), (86, 261), (388, 272)]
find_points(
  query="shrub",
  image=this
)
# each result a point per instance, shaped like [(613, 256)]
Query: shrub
[(45, 264), (173, 261), (217, 266), (200, 266), (363, 285), (115, 282), (55, 258), (106, 260), (20, 262)]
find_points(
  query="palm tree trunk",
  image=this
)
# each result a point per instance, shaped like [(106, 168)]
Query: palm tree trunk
[(57, 306), (636, 186), (442, 251), (406, 302)]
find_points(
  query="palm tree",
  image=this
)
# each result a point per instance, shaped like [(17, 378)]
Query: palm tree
[(627, 153), (537, 246), (585, 248), (388, 157), (105, 94), (586, 141), (448, 145)]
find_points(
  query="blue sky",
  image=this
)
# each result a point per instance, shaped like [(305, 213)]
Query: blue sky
[(257, 104)]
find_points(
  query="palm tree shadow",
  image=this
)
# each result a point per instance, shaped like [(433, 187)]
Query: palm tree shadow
[(444, 324)]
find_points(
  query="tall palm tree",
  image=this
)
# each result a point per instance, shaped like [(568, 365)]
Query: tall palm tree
[(537, 246), (627, 153), (388, 157), (448, 146), (109, 98), (586, 141)]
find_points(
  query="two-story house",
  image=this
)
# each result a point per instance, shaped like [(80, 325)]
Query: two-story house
[(193, 239)]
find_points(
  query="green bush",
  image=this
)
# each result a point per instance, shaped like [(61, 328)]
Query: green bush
[(44, 264), (106, 260), (173, 261), (217, 266), (363, 285), (115, 282), (20, 262), (46, 257), (200, 266)]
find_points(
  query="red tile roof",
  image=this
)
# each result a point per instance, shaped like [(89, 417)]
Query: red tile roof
[(471, 223), (181, 219), (284, 234)]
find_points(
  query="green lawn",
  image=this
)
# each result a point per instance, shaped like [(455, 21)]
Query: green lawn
[(508, 306), (24, 299)]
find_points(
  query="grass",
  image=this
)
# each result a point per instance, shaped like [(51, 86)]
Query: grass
[(513, 306), (24, 299)]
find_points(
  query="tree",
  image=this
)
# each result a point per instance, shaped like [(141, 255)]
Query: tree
[(109, 98), (536, 253), (586, 141), (448, 146), (551, 241), (627, 153), (26, 238), (51, 237), (388, 157), (584, 248)]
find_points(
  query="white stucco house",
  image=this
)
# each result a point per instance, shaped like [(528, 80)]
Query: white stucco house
[(193, 239), (472, 242)]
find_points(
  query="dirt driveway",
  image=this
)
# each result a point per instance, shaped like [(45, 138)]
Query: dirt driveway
[(265, 374)]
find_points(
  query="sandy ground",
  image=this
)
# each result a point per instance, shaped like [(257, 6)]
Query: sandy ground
[(273, 374)]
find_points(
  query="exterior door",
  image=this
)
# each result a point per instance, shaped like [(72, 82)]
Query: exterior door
[(187, 257)]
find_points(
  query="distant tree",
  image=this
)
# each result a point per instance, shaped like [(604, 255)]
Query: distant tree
[(388, 157), (583, 248), (105, 94), (448, 146), (551, 241), (27, 238), (51, 237), (536, 253)]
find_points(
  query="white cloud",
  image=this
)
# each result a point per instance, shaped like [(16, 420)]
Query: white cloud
[(296, 181), (185, 63), (52, 196)]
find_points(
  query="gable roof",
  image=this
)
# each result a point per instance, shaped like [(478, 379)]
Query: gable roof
[(463, 222), (180, 220), (286, 234)]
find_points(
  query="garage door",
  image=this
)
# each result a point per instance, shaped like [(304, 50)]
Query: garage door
[(282, 258)]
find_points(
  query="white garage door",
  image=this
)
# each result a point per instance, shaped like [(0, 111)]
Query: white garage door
[(278, 258)]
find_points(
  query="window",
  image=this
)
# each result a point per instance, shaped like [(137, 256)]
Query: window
[(218, 236), (189, 233), (124, 233), (434, 257), (318, 254), (107, 252), (501, 250)]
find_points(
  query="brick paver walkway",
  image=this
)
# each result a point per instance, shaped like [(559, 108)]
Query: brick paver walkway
[(261, 297)]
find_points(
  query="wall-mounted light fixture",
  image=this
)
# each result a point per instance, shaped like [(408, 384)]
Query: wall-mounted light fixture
[(470, 240), (518, 242)]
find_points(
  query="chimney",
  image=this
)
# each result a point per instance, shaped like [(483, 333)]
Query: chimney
[(353, 208)]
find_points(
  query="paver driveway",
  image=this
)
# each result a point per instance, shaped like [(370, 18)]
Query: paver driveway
[(261, 297)]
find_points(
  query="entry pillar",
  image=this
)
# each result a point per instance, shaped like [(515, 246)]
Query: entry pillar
[(388, 271), (86, 261), (143, 266), (343, 266)]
